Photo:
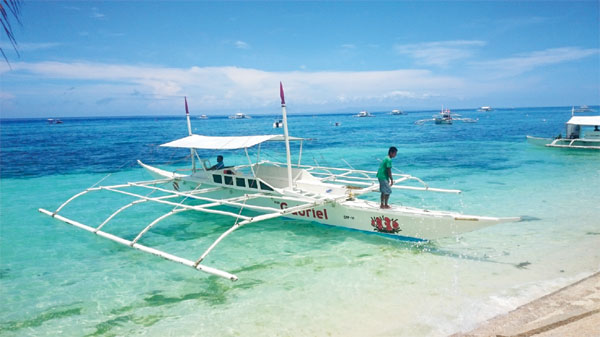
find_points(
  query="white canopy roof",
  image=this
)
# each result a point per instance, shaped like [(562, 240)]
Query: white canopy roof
[(223, 143), (585, 120)]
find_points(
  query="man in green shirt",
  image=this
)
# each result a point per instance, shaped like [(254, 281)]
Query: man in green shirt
[(384, 174)]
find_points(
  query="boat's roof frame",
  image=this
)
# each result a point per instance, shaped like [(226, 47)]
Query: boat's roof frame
[(584, 120), (224, 142)]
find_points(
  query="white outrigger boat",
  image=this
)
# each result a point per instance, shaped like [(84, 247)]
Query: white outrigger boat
[(267, 190), (239, 115), (579, 134), (364, 113), (446, 117)]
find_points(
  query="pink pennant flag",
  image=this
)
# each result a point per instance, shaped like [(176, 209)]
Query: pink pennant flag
[(281, 93)]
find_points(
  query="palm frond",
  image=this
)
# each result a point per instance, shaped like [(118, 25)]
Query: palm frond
[(10, 9)]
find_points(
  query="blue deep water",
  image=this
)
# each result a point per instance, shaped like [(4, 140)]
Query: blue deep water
[(296, 278)]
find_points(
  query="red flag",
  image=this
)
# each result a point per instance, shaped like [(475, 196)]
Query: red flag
[(187, 112), (281, 93)]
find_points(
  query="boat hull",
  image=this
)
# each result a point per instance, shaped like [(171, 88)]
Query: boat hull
[(401, 222), (582, 144), (538, 141)]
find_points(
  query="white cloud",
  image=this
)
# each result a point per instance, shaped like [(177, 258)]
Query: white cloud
[(96, 13), (241, 45), (233, 87), (6, 95), (519, 64), (520, 23), (25, 46), (440, 53)]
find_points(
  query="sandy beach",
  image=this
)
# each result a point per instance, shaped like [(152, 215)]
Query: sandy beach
[(573, 311)]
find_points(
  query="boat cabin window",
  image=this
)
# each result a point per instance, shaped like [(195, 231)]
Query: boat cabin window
[(252, 183), (228, 180), (263, 186), (241, 182), (217, 178)]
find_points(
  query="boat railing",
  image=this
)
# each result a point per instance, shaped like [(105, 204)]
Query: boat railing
[(368, 179)]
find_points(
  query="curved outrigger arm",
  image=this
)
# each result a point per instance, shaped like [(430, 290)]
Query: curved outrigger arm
[(257, 219), (179, 206), (143, 248), (91, 189)]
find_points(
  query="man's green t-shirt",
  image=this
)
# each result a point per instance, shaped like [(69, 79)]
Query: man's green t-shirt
[(385, 164)]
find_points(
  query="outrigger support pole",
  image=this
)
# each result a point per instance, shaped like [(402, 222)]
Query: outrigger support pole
[(143, 248), (256, 219), (240, 220)]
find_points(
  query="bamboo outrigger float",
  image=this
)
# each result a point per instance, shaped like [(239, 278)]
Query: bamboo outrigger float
[(271, 190)]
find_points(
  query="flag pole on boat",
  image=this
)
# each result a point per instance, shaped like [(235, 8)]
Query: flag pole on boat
[(286, 136), (189, 125)]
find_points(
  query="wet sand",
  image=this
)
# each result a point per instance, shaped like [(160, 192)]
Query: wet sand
[(573, 311)]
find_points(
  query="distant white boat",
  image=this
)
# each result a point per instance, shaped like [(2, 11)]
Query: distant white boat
[(364, 113), (277, 124), (580, 134), (583, 108), (239, 115), (446, 117), (397, 112), (54, 121), (485, 108), (203, 117)]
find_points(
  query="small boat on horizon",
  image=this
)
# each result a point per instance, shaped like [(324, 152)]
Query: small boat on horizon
[(446, 117), (203, 117), (364, 113), (54, 121), (485, 108), (397, 112), (582, 108), (239, 115)]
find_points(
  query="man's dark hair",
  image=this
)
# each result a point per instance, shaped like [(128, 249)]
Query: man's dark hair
[(392, 149)]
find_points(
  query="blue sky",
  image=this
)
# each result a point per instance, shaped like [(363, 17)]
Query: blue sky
[(111, 58)]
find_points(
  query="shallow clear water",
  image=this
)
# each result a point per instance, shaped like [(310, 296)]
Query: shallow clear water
[(296, 278)]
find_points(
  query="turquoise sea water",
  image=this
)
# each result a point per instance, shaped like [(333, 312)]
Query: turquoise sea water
[(296, 278)]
